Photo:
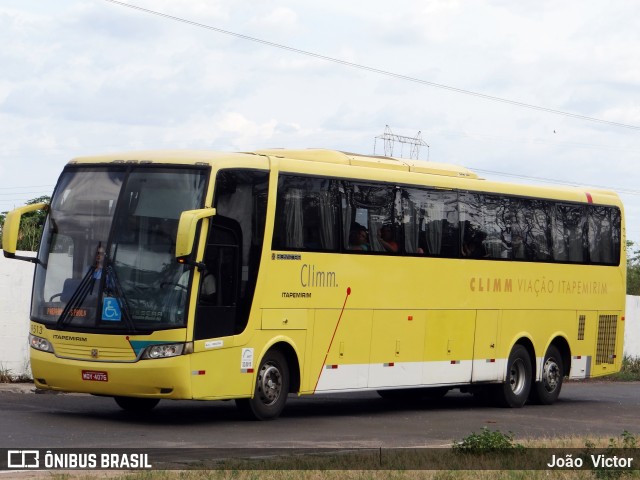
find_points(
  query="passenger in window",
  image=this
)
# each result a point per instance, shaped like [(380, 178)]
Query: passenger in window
[(208, 288), (386, 239), (472, 246), (358, 238), (99, 263), (511, 237), (506, 234)]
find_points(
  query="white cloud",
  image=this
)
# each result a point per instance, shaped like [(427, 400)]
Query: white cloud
[(280, 18), (85, 77)]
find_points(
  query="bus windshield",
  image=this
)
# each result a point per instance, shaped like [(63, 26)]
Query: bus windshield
[(107, 257)]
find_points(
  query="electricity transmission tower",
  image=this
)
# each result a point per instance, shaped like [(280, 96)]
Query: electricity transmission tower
[(390, 139)]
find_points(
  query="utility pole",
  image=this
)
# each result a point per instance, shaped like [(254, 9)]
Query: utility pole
[(390, 139)]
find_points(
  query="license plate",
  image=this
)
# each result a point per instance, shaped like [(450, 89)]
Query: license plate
[(94, 376)]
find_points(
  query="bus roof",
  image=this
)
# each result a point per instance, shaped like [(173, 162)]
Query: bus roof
[(179, 157), (356, 159), (312, 154), (380, 164)]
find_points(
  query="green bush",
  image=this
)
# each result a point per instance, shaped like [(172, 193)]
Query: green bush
[(486, 441)]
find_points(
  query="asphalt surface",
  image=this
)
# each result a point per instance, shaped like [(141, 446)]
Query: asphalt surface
[(46, 420)]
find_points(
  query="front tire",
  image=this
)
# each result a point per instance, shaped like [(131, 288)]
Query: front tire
[(136, 405), (547, 390), (271, 389), (513, 393)]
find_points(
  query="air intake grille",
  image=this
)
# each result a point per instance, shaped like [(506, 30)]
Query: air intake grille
[(581, 322), (606, 347)]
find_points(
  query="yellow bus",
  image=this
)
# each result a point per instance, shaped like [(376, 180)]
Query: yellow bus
[(250, 276)]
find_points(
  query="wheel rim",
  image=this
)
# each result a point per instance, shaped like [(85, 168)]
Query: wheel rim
[(269, 384), (517, 376), (550, 374)]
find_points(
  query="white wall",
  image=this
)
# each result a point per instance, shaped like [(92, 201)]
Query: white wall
[(15, 292), (16, 278), (632, 327)]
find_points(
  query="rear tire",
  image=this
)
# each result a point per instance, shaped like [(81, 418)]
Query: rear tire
[(271, 389), (136, 405), (513, 393), (547, 390)]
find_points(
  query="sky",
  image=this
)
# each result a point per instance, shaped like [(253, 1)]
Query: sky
[(81, 77)]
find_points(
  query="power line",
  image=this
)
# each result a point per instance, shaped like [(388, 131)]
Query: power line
[(537, 141), (375, 70), (19, 193), (27, 186)]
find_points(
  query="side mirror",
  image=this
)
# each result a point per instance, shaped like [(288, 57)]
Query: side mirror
[(187, 229), (11, 230)]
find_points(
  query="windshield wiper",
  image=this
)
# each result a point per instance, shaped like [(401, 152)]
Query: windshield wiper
[(109, 284), (78, 297)]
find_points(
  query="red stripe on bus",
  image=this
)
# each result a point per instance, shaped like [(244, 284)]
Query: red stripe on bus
[(333, 336)]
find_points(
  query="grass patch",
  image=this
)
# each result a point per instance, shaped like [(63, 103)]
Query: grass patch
[(630, 371), (7, 376)]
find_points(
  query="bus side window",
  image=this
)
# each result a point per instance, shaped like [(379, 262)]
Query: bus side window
[(472, 225), (306, 214), (568, 233), (430, 221), (536, 230), (369, 207), (604, 235)]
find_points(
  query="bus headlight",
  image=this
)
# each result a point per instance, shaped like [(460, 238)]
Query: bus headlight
[(167, 350), (40, 343)]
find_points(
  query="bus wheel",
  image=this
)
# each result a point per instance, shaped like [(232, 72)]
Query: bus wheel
[(136, 405), (514, 391), (271, 389), (546, 391)]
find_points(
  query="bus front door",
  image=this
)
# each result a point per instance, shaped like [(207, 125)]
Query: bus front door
[(217, 308)]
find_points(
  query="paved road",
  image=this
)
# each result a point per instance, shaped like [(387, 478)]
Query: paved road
[(31, 420)]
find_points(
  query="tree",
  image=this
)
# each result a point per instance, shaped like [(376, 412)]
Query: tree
[(30, 225), (633, 268)]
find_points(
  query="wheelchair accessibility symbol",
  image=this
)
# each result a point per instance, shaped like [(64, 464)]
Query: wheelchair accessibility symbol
[(111, 310)]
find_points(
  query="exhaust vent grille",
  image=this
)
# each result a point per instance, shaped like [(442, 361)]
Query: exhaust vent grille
[(606, 346), (581, 323)]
